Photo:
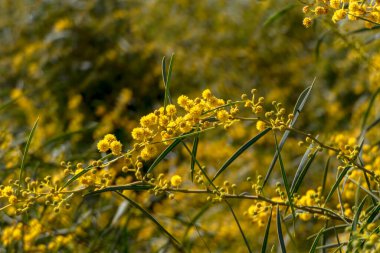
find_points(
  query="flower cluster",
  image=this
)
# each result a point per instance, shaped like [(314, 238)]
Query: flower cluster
[(368, 11)]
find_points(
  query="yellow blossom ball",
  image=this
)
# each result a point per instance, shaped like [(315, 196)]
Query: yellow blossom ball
[(110, 138), (12, 199), (307, 22), (222, 115), (176, 180), (138, 133), (206, 94), (116, 147), (171, 110), (103, 146), (260, 125)]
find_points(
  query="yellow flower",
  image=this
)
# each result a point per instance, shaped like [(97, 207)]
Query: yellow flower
[(171, 110), (222, 115), (103, 146), (138, 133), (206, 94), (110, 138), (12, 199), (176, 180), (8, 191), (260, 125), (116, 147), (307, 22)]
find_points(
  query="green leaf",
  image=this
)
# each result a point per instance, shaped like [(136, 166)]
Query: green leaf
[(367, 112), (315, 243), (361, 30), (285, 180), (266, 236), (176, 243), (278, 14), (326, 230), (279, 231), (357, 215), (374, 213), (300, 174), (194, 155), (163, 71), (337, 182), (165, 153), (67, 135), (240, 151), (318, 45), (26, 149), (301, 101), (195, 219), (238, 224), (167, 78), (325, 170), (134, 187), (8, 103)]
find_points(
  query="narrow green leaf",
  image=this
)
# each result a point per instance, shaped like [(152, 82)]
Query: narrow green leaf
[(278, 14), (325, 170), (164, 153), (315, 243), (333, 245), (176, 243), (26, 149), (300, 175), (194, 154), (374, 213), (279, 231), (372, 125), (266, 236), (163, 71), (134, 187), (357, 215), (169, 77), (329, 229), (337, 182), (367, 112), (240, 151), (238, 224), (318, 45), (8, 103), (195, 219), (301, 101), (67, 135), (285, 180), (361, 30)]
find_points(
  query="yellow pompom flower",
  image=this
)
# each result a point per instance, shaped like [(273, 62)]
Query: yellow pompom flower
[(339, 15), (110, 138), (148, 152), (307, 22), (335, 4), (206, 94), (176, 180), (12, 200), (138, 133), (7, 191), (260, 125), (171, 110), (103, 145), (116, 147), (222, 115)]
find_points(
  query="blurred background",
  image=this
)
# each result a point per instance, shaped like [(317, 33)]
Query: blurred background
[(88, 68)]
